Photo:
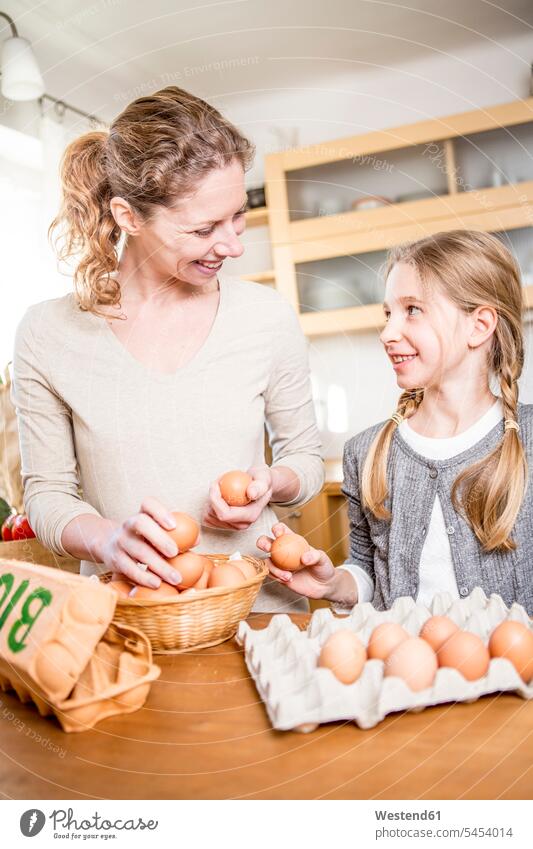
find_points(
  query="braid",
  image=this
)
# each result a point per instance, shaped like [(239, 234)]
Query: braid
[(509, 393), (409, 402), (490, 492), (374, 487)]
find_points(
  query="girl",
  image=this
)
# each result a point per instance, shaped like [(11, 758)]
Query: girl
[(438, 498), (157, 375)]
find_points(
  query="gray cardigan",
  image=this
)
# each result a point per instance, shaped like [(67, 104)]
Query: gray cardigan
[(390, 550)]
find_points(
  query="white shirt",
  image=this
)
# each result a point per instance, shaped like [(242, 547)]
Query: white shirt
[(436, 571), (84, 400)]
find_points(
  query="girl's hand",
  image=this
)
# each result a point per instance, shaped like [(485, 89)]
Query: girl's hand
[(142, 539), (219, 514), (316, 580)]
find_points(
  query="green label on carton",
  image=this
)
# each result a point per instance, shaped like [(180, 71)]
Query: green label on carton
[(32, 607), (28, 618)]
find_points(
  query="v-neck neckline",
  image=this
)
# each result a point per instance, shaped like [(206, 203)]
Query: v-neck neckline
[(161, 376)]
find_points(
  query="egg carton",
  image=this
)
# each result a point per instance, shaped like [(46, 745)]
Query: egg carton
[(59, 649), (116, 680), (298, 695)]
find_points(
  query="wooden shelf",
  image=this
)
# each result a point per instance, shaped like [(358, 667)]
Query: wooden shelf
[(353, 233), (495, 209), (257, 217), (260, 277), (382, 227), (436, 129)]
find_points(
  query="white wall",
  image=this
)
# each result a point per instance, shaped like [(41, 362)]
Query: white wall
[(30, 198), (361, 101)]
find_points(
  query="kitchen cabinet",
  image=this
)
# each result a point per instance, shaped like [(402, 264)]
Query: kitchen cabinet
[(335, 208)]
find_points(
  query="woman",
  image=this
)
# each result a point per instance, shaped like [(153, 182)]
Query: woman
[(158, 374)]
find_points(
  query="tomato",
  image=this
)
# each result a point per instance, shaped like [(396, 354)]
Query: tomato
[(21, 528), (7, 528)]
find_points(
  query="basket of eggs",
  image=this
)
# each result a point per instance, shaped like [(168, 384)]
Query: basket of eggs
[(216, 592)]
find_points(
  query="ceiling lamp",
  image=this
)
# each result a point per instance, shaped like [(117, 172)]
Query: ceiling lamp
[(21, 78)]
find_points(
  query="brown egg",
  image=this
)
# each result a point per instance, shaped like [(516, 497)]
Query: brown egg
[(515, 642), (414, 661), (203, 580), (123, 588), (233, 486), (190, 566), (436, 630), (162, 592), (225, 575), (384, 638), (247, 569), (344, 654), (287, 550), (467, 653), (185, 533)]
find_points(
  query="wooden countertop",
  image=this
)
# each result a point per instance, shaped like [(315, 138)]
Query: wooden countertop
[(204, 733)]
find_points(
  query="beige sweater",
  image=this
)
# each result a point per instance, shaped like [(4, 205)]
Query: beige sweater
[(91, 415)]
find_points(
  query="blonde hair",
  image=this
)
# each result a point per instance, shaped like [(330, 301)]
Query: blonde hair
[(154, 153), (472, 269)]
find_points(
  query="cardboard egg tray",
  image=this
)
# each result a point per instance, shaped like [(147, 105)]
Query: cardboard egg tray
[(59, 649), (298, 695)]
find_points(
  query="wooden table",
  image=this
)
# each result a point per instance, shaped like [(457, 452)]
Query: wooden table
[(204, 733)]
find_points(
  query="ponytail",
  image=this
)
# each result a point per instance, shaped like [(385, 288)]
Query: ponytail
[(85, 227)]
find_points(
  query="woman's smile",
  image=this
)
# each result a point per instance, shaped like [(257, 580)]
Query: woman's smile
[(208, 268)]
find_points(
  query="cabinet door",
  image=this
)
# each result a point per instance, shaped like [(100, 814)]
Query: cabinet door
[(338, 525), (308, 520)]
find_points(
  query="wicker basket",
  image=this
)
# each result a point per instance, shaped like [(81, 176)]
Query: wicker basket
[(194, 621)]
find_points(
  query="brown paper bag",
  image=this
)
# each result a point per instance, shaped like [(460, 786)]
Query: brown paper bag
[(10, 479)]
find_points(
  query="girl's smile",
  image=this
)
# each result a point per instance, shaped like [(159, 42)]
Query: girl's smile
[(425, 340), (400, 362)]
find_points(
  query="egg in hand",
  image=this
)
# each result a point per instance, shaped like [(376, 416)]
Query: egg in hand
[(185, 533), (233, 486), (287, 550)]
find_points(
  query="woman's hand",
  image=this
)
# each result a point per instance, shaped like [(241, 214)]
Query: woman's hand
[(142, 539), (219, 514), (316, 580)]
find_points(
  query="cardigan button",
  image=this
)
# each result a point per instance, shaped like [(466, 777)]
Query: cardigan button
[(450, 529), (463, 591), (433, 473)]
